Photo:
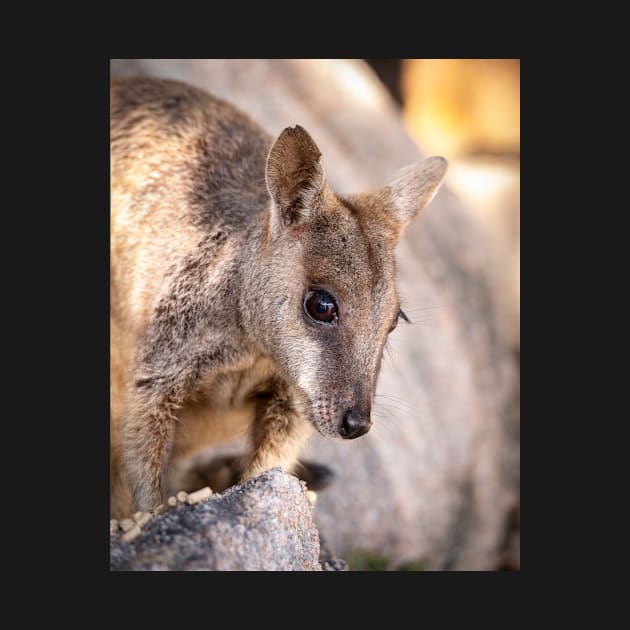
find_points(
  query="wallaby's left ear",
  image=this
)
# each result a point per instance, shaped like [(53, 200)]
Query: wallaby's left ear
[(295, 175), (412, 188)]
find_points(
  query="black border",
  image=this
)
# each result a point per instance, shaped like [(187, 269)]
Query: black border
[(83, 390)]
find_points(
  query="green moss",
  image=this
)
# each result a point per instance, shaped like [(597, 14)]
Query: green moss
[(412, 566), (370, 561), (367, 561)]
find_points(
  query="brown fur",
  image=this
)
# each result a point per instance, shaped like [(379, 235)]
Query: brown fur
[(217, 233)]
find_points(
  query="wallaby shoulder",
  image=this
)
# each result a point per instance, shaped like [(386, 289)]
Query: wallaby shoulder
[(188, 193), (167, 131)]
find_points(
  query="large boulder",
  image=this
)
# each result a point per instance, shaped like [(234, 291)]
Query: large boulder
[(437, 478)]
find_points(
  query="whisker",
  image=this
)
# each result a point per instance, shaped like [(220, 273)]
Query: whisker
[(392, 398), (394, 405), (425, 323), (379, 426), (388, 350), (394, 410), (417, 309), (411, 311)]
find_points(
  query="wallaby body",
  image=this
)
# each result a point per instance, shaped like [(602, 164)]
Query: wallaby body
[(245, 294)]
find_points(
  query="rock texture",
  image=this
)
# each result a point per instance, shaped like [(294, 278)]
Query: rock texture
[(438, 475), (264, 525)]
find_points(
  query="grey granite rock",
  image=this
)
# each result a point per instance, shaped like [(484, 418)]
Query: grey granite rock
[(264, 525)]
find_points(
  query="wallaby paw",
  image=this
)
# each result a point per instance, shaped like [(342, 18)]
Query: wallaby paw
[(224, 472), (316, 476), (218, 474)]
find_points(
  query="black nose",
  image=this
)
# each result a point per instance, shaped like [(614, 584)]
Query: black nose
[(354, 424)]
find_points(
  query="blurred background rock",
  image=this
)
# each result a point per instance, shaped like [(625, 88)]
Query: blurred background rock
[(469, 110), (435, 484)]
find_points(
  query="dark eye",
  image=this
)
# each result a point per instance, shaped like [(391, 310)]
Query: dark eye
[(321, 306)]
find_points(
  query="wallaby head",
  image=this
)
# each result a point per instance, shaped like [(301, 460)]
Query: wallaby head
[(321, 294)]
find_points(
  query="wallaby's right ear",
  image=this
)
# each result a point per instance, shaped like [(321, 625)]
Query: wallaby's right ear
[(295, 175)]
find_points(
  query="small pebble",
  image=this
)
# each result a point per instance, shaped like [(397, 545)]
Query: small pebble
[(172, 501), (113, 526), (132, 533), (142, 518), (126, 524), (312, 497), (199, 495), (182, 496)]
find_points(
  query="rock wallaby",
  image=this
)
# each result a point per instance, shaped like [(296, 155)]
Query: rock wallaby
[(244, 291)]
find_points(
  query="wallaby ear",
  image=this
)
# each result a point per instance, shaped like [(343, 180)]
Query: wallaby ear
[(412, 188), (295, 175)]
